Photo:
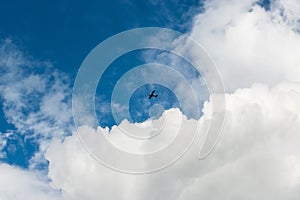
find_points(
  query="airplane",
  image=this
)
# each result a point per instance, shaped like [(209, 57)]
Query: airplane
[(152, 94)]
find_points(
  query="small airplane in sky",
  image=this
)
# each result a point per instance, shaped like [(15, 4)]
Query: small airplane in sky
[(152, 94)]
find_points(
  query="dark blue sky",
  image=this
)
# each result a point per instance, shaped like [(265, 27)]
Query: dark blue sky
[(64, 31)]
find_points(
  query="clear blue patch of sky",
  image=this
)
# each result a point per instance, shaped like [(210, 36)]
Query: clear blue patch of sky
[(4, 125), (65, 31), (139, 104), (265, 4)]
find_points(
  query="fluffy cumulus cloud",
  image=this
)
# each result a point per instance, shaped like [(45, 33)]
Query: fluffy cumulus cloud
[(257, 157), (249, 44)]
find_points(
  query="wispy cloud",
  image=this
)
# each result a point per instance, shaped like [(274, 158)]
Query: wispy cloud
[(35, 96)]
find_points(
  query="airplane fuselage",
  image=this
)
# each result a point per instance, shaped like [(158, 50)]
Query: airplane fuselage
[(152, 94)]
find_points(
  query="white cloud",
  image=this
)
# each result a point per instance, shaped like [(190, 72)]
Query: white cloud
[(258, 156), (3, 141), (249, 44), (81, 177), (17, 184)]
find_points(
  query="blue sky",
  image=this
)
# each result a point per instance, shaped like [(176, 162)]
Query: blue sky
[(64, 32)]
